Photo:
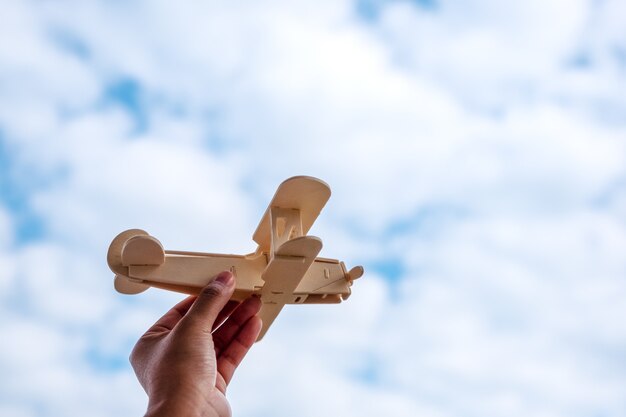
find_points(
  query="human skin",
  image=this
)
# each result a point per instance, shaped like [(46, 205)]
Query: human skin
[(186, 360)]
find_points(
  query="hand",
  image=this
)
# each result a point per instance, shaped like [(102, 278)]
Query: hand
[(187, 358)]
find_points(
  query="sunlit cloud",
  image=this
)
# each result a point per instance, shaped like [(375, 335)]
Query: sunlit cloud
[(476, 155)]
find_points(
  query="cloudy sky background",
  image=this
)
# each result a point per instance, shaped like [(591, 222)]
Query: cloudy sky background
[(477, 156)]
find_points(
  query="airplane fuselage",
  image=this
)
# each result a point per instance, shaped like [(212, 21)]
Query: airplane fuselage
[(325, 282)]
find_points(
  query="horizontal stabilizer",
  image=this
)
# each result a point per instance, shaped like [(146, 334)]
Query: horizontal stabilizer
[(124, 285)]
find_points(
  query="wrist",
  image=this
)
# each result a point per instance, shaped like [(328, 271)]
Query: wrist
[(180, 406)]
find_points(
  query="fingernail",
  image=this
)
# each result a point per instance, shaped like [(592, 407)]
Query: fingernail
[(225, 278)]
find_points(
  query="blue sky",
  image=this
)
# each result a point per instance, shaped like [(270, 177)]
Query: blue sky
[(476, 152)]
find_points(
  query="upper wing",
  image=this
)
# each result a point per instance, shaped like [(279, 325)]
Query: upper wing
[(306, 194), (284, 272)]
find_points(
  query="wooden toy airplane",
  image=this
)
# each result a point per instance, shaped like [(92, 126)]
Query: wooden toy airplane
[(284, 269)]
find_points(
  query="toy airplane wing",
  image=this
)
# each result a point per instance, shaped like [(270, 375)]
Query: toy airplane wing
[(283, 273), (308, 195)]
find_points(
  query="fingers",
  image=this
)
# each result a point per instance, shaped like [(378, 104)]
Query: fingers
[(211, 300), (230, 306), (233, 325), (233, 354), (169, 319)]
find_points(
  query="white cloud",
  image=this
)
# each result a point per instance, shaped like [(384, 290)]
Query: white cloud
[(138, 183), (515, 305), (488, 51), (461, 144), (6, 229), (7, 264)]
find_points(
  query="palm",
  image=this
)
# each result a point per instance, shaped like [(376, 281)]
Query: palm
[(199, 356)]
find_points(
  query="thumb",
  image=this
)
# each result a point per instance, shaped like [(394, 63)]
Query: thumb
[(212, 299)]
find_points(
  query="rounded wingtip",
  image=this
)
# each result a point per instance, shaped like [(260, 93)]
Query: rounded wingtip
[(300, 246), (305, 178), (301, 180)]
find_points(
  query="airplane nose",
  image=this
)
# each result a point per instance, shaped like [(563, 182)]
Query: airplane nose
[(355, 273)]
